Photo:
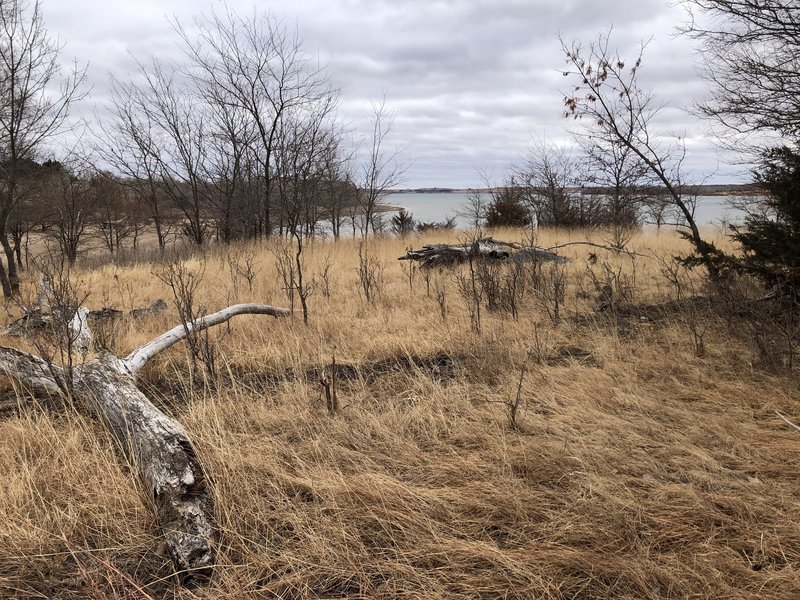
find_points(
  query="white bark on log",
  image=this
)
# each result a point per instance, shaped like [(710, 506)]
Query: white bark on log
[(81, 333), (138, 358), (32, 371)]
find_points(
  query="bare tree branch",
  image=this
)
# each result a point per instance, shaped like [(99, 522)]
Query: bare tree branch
[(138, 358), (787, 421)]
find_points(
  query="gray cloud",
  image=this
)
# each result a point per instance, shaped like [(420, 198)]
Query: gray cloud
[(472, 81)]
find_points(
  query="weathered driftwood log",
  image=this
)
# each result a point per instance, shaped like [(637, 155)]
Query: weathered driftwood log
[(437, 255), (155, 308), (155, 443), (40, 319)]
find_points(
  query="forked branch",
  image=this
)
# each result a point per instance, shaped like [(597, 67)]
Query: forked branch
[(165, 457)]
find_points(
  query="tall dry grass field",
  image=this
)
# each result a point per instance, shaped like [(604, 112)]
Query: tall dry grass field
[(644, 460)]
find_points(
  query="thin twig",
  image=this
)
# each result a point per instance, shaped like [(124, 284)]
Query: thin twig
[(601, 246), (787, 421)]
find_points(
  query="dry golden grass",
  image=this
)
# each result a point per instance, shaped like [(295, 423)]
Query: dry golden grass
[(638, 469)]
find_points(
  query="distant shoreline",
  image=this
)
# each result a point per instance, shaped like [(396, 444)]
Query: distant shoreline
[(734, 189)]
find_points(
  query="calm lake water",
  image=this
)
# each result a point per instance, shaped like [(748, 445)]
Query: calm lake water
[(711, 210)]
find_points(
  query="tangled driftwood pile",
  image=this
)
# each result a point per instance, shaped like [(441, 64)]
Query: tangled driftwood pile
[(438, 255)]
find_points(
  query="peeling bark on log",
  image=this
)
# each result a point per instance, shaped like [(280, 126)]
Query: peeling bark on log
[(437, 255), (161, 451), (157, 445)]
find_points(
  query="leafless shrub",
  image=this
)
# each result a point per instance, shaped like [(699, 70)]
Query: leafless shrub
[(184, 283), (489, 279), (426, 277), (325, 277), (516, 405), (124, 288), (327, 381), (441, 300), (471, 290), (610, 286), (686, 292), (370, 273), (285, 265), (620, 235), (409, 270), (547, 283), (768, 319), (242, 266), (291, 269), (503, 284)]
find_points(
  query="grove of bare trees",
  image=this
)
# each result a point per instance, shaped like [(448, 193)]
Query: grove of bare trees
[(237, 139)]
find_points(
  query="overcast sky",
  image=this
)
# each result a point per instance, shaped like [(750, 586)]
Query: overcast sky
[(472, 82)]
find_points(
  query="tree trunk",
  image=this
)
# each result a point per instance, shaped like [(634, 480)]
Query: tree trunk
[(13, 277), (4, 282), (167, 462)]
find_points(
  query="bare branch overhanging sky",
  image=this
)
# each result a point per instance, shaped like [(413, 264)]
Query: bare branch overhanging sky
[(473, 82)]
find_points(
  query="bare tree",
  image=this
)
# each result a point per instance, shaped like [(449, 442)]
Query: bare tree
[(229, 163), (262, 68), (548, 172), (607, 95), (752, 60), (35, 100), (167, 103), (126, 142), (381, 169), (337, 191), (303, 141), (474, 210), (619, 176), (70, 210), (114, 215), (300, 152)]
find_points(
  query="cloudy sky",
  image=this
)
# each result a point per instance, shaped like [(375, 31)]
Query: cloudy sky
[(473, 82)]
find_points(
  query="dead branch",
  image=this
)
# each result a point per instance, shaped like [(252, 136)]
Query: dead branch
[(139, 357), (787, 421), (600, 246)]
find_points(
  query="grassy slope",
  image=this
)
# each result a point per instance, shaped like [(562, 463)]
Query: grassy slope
[(638, 471)]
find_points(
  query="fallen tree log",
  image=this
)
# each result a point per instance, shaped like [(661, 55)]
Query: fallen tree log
[(437, 255), (40, 318), (155, 444)]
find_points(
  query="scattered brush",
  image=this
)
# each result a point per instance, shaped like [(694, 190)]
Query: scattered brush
[(636, 469)]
